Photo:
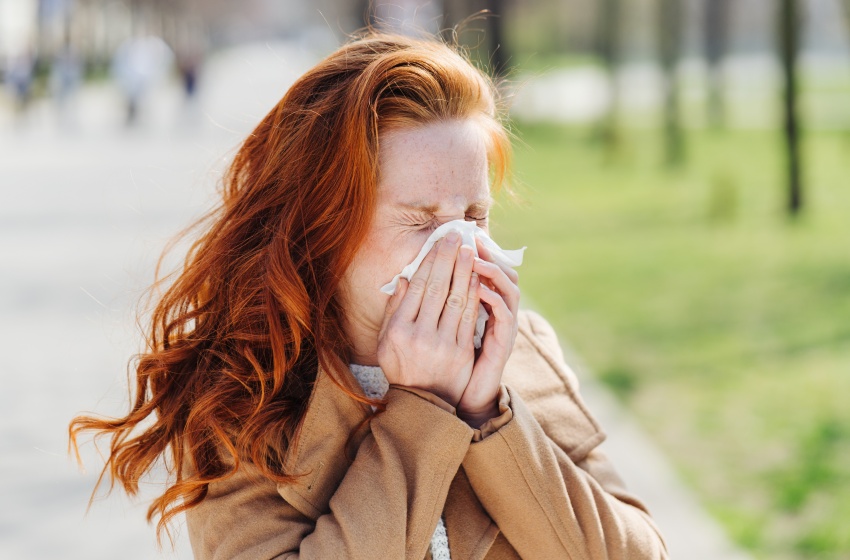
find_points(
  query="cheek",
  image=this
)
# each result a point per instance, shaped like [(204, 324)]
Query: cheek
[(380, 258), (392, 257), (408, 245)]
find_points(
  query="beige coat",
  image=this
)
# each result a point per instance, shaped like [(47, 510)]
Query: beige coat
[(535, 488)]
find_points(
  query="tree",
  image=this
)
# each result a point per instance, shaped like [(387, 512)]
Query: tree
[(789, 42), (498, 55), (715, 20), (670, 43), (609, 37)]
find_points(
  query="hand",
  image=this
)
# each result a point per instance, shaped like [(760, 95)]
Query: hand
[(499, 292), (426, 337)]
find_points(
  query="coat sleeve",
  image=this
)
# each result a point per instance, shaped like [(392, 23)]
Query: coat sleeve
[(386, 506), (551, 505)]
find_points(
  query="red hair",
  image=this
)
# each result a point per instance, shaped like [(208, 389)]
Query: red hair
[(235, 342)]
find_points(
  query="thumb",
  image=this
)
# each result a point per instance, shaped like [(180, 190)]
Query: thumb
[(394, 302)]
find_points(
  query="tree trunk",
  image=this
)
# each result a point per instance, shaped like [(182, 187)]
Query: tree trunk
[(716, 22), (789, 41), (670, 42), (497, 53), (609, 36)]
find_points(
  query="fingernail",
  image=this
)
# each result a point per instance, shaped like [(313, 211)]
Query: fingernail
[(474, 280), (452, 237), (465, 253)]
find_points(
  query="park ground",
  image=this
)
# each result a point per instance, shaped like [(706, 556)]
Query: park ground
[(718, 321)]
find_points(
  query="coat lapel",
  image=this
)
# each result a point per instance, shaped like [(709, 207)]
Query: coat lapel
[(323, 451), (470, 530), (320, 456)]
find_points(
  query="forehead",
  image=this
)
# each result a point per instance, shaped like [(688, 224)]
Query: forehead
[(438, 164)]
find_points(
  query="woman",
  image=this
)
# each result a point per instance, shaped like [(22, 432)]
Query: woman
[(306, 414)]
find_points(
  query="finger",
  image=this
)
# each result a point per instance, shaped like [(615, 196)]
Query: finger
[(484, 253), (466, 329), (393, 304), (504, 319), (456, 301), (409, 307), (501, 282), (439, 279)]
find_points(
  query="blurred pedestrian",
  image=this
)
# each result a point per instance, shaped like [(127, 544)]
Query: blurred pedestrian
[(137, 65), (20, 72), (65, 76), (189, 63)]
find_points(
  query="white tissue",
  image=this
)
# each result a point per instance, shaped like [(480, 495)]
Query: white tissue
[(468, 232)]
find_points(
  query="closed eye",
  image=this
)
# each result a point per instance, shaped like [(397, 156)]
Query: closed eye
[(431, 225)]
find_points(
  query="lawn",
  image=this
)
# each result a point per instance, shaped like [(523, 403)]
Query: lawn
[(723, 324)]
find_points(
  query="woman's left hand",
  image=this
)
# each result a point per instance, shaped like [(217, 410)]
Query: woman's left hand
[(498, 289)]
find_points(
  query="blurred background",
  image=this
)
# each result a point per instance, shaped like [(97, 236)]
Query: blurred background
[(683, 173)]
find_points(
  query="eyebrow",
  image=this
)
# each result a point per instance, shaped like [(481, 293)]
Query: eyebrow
[(475, 207)]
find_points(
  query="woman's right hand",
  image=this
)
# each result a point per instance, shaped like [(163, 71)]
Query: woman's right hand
[(426, 337)]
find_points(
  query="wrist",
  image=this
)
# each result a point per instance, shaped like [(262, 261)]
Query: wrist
[(476, 418), (437, 392)]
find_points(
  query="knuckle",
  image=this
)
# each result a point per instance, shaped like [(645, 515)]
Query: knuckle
[(455, 301), (469, 315), (446, 257), (447, 248), (417, 286), (435, 288)]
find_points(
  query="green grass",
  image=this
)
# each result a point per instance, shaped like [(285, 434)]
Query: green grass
[(723, 324)]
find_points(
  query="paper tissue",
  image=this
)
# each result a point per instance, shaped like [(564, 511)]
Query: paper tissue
[(468, 232)]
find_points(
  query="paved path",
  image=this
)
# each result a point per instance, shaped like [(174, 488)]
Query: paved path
[(85, 209), (84, 213)]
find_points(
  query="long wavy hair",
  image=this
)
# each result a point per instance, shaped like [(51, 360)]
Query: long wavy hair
[(235, 341)]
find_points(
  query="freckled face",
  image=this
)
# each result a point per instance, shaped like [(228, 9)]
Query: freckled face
[(428, 175)]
